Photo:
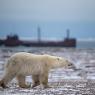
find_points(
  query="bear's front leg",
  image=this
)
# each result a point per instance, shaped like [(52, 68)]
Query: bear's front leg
[(21, 81), (44, 80), (35, 79)]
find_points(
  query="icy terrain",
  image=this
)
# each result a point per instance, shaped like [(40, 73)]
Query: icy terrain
[(62, 81)]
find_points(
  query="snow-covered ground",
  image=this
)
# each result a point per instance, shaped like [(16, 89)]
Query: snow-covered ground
[(62, 81)]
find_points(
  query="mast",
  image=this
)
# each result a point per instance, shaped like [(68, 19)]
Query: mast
[(68, 33), (39, 34)]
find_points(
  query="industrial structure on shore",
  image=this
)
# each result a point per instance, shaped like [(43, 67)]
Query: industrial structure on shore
[(13, 40)]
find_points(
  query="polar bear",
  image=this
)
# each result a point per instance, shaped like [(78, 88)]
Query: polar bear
[(24, 64)]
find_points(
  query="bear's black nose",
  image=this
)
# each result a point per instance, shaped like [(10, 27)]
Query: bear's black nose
[(71, 65)]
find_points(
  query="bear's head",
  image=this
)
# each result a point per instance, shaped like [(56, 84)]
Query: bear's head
[(65, 63), (59, 62)]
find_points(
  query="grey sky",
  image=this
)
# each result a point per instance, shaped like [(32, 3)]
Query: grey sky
[(48, 10)]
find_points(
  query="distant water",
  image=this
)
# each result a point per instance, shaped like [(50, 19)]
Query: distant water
[(86, 44)]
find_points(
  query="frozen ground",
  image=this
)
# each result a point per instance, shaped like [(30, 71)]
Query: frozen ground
[(62, 81)]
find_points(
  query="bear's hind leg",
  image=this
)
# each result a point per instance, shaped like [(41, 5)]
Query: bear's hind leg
[(7, 78), (21, 81), (35, 79), (2, 84)]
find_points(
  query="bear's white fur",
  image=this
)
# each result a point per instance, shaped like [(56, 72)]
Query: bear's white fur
[(23, 64)]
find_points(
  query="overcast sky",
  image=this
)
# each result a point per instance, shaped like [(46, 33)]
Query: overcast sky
[(48, 10), (53, 16)]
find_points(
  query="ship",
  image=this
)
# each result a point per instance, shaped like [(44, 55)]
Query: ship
[(13, 40)]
